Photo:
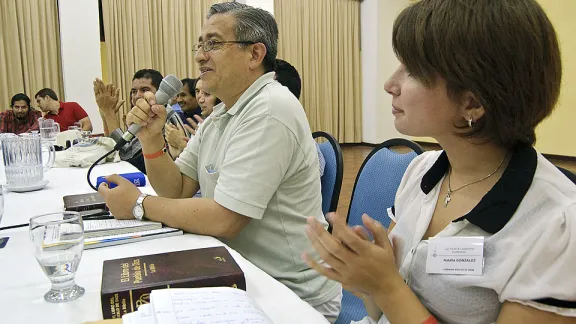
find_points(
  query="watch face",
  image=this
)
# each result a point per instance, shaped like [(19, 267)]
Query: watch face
[(138, 211)]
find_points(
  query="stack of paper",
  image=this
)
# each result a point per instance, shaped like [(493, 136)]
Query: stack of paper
[(101, 241), (102, 227), (198, 305)]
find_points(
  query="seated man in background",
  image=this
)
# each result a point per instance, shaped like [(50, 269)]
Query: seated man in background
[(64, 113), (109, 103), (289, 77), (21, 118), (187, 101), (175, 135), (254, 159)]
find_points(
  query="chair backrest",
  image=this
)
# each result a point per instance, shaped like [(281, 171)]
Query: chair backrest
[(378, 180), (568, 174), (333, 171)]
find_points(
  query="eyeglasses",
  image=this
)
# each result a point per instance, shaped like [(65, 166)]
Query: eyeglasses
[(209, 45)]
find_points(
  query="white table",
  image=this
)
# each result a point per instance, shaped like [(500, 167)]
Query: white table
[(19, 207), (23, 284)]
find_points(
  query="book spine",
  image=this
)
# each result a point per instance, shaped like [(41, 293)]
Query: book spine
[(116, 304), (85, 207)]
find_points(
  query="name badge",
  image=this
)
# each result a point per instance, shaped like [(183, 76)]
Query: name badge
[(455, 255)]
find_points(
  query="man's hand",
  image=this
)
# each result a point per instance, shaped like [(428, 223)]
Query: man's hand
[(149, 115), (107, 98), (175, 136), (121, 199)]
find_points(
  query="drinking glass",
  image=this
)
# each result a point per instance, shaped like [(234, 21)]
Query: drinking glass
[(58, 241), (1, 203)]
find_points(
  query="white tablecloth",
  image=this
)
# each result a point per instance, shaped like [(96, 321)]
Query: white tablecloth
[(23, 284), (19, 207)]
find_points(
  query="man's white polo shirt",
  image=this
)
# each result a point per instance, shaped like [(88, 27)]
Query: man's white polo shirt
[(258, 159)]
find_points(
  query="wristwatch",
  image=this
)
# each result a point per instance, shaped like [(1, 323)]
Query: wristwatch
[(138, 209)]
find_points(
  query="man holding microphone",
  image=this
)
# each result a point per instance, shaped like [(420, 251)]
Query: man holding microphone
[(254, 159)]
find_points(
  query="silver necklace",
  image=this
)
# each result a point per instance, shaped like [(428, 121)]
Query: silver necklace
[(447, 199)]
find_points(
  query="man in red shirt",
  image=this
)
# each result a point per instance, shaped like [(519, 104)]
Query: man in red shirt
[(64, 113), (21, 118)]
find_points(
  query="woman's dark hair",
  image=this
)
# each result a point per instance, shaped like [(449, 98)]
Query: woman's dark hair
[(505, 52)]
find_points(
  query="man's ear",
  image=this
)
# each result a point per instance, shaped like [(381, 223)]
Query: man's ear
[(471, 107), (257, 54)]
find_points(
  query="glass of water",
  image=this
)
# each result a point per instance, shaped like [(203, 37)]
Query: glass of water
[(1, 203), (58, 241)]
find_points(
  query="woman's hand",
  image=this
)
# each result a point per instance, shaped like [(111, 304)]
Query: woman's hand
[(363, 267), (175, 136)]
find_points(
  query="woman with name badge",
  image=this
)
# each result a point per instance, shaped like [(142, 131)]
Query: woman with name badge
[(483, 231)]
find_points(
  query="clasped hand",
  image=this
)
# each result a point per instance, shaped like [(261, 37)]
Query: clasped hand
[(149, 115), (363, 267), (107, 98)]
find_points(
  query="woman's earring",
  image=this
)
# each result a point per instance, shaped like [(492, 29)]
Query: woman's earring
[(470, 122)]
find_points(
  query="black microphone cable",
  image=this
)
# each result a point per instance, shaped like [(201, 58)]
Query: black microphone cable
[(117, 147)]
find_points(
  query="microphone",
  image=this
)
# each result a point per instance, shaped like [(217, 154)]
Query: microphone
[(174, 119), (169, 87)]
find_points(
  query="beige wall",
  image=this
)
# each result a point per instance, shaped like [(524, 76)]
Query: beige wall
[(556, 134)]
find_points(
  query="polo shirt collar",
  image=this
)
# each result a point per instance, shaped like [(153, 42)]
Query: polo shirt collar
[(252, 90), (498, 206), (59, 109)]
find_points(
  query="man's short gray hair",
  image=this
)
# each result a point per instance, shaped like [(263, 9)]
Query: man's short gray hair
[(254, 25)]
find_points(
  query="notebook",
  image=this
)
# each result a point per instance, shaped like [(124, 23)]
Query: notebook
[(101, 241), (107, 227), (198, 305), (106, 232)]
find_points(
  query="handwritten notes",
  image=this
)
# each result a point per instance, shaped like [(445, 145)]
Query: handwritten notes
[(220, 305), (144, 315)]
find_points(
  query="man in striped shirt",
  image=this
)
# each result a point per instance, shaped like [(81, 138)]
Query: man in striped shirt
[(20, 118)]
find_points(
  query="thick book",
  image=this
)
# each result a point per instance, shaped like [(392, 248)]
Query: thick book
[(83, 202), (127, 282)]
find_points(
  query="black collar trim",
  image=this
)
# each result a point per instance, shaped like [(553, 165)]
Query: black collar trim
[(500, 203)]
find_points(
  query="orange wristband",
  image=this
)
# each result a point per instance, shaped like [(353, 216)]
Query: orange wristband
[(430, 320), (154, 155)]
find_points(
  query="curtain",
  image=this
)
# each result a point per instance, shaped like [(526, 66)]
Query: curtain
[(29, 48), (321, 38), (151, 34)]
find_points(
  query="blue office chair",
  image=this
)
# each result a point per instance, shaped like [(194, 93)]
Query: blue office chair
[(374, 192), (333, 172), (569, 174)]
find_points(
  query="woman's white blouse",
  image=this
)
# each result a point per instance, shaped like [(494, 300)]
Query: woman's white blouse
[(528, 220)]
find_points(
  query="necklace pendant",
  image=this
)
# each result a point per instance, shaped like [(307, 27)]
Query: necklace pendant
[(447, 198)]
